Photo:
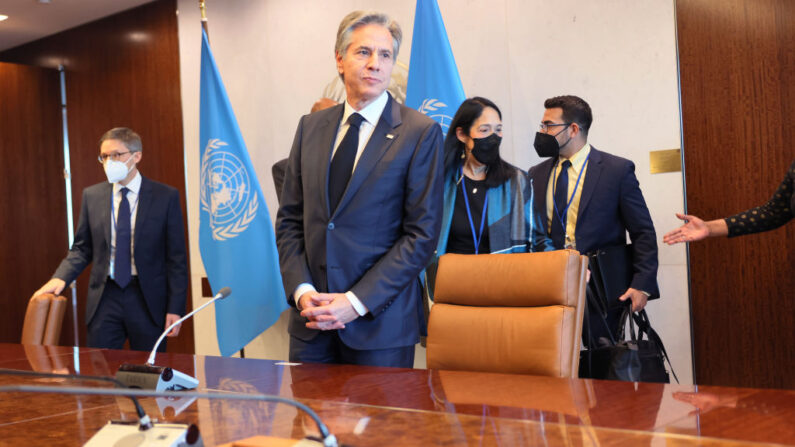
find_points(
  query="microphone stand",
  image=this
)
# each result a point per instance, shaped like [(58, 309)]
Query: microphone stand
[(144, 422), (149, 376), (223, 293), (328, 439)]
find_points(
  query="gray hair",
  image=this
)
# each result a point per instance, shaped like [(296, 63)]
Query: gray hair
[(361, 18), (128, 137)]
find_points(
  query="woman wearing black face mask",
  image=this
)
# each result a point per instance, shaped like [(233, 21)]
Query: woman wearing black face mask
[(488, 203)]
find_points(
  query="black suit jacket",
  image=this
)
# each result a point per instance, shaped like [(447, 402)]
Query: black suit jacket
[(382, 233), (160, 257), (277, 170), (611, 205)]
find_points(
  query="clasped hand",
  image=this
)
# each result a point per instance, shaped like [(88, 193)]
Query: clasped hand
[(326, 311)]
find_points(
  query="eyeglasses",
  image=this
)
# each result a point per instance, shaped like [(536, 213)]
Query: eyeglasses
[(545, 126), (115, 157)]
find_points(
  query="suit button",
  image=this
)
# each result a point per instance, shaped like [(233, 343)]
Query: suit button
[(331, 226)]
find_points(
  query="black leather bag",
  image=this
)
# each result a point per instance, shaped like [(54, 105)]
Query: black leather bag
[(634, 360)]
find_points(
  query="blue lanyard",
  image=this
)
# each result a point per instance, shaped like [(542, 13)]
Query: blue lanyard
[(561, 216), (479, 237)]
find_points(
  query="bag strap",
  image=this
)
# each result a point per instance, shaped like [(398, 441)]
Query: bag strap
[(623, 324), (604, 322), (595, 286), (587, 327), (644, 326)]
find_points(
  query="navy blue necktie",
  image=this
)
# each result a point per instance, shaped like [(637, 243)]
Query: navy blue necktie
[(122, 271), (342, 162), (559, 210)]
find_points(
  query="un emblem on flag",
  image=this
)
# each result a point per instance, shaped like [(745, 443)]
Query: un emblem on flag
[(430, 106), (226, 192)]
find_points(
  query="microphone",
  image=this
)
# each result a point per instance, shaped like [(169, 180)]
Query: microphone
[(144, 422), (147, 432), (160, 378), (327, 438)]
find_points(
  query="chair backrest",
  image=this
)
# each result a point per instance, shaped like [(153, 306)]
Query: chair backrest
[(552, 394), (43, 320), (52, 333), (508, 313)]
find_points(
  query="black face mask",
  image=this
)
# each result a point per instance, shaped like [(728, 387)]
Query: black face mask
[(487, 150), (547, 145)]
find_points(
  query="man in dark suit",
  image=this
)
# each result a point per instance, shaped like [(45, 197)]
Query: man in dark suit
[(592, 199), (360, 211), (131, 231)]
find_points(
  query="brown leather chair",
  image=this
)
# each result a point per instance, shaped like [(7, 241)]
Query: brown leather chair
[(550, 394), (508, 313), (43, 320)]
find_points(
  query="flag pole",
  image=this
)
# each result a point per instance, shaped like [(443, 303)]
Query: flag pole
[(206, 29), (204, 19)]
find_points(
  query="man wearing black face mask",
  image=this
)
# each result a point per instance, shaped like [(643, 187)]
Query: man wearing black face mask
[(591, 199)]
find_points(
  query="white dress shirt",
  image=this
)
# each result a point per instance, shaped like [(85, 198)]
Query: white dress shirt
[(132, 198), (371, 114)]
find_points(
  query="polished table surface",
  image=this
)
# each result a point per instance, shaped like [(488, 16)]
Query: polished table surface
[(392, 406)]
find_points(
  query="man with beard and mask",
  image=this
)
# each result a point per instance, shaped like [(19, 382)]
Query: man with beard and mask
[(131, 231), (488, 204), (591, 199)]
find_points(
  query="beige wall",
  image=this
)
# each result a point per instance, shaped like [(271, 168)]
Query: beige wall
[(620, 55)]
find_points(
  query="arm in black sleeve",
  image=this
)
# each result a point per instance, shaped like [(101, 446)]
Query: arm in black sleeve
[(773, 214)]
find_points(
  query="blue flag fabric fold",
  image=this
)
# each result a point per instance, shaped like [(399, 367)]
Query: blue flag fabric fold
[(434, 87), (236, 237)]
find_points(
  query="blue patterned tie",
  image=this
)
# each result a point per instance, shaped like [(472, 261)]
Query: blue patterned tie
[(559, 211), (123, 273), (342, 162)]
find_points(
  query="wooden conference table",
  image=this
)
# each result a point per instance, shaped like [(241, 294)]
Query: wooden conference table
[(389, 406)]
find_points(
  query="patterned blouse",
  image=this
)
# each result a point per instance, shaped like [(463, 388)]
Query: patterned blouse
[(773, 214)]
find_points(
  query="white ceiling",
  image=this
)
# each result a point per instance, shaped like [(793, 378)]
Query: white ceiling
[(29, 20)]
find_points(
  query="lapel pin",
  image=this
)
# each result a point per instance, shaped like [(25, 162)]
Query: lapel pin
[(390, 136)]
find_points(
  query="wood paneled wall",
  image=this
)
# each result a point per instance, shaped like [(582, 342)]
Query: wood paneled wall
[(33, 203), (122, 70), (737, 68)]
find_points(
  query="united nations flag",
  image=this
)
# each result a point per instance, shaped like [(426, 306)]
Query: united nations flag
[(434, 87), (236, 238)]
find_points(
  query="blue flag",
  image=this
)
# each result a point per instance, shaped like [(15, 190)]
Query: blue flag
[(236, 238), (434, 87)]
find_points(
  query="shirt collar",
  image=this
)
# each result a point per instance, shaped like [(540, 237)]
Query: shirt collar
[(134, 186), (371, 112), (579, 157)]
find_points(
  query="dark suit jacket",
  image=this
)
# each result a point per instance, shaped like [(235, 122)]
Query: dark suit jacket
[(160, 257), (382, 233), (277, 170), (611, 204)]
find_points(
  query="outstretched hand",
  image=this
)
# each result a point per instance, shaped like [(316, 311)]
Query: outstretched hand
[(693, 230)]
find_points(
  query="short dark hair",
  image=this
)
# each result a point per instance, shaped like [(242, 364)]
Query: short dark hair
[(575, 110), (468, 112), (128, 137)]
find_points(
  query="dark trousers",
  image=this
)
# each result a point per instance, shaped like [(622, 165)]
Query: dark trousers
[(122, 315), (327, 347)]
